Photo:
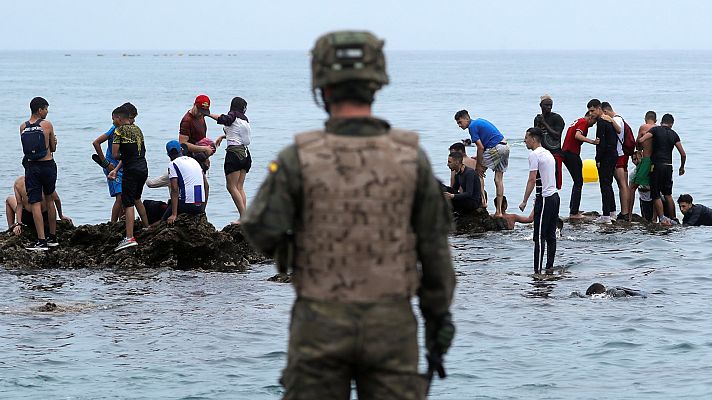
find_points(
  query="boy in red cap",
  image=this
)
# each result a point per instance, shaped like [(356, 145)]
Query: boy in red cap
[(193, 129)]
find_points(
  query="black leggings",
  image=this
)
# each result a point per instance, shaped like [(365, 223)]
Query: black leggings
[(605, 179), (573, 163), (546, 215)]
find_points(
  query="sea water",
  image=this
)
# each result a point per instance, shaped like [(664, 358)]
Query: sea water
[(157, 334)]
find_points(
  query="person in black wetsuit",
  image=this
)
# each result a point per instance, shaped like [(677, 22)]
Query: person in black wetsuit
[(694, 214), (470, 198), (618, 291), (606, 157)]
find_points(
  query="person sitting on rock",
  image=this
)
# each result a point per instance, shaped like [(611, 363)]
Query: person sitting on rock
[(187, 184), (17, 217), (470, 198)]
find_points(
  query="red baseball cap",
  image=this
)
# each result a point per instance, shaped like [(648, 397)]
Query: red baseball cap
[(202, 101)]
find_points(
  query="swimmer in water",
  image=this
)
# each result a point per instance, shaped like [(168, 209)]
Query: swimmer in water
[(618, 291)]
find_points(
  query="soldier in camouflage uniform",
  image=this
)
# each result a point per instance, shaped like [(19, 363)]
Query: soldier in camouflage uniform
[(351, 209)]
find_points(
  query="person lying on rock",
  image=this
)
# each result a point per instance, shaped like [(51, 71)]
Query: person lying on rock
[(694, 214), (187, 184), (17, 217)]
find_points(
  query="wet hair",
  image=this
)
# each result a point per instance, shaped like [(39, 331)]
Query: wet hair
[(456, 155), (462, 114), (131, 109), (238, 104), (459, 146), (535, 133), (596, 288), (606, 106), (667, 119), (37, 104), (595, 103), (684, 198), (120, 112), (651, 115)]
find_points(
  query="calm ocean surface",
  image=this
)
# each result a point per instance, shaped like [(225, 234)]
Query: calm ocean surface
[(162, 334)]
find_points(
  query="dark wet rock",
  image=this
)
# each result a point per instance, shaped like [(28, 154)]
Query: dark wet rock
[(191, 243), (281, 278), (478, 221), (48, 307)]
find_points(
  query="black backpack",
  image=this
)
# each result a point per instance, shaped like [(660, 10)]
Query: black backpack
[(33, 141)]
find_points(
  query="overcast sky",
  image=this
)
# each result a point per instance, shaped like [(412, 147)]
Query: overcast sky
[(406, 25)]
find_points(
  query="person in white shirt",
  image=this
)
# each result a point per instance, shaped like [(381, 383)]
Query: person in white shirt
[(238, 159), (187, 184), (542, 174), (621, 171)]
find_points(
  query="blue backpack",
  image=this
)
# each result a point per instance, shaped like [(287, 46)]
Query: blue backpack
[(33, 141)]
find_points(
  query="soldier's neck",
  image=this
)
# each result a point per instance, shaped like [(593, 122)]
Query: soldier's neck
[(350, 110)]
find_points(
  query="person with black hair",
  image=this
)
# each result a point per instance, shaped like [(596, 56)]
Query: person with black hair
[(130, 149), (238, 159), (606, 158), (571, 155), (552, 124), (694, 214), (469, 162), (470, 197), (38, 144), (542, 174), (664, 140)]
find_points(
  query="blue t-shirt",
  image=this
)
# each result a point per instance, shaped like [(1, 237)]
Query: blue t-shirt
[(110, 134), (483, 130)]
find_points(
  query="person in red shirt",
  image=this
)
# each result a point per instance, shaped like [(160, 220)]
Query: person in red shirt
[(571, 153), (193, 132)]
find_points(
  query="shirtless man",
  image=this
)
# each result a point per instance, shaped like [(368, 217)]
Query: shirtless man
[(514, 218), (17, 217), (643, 151)]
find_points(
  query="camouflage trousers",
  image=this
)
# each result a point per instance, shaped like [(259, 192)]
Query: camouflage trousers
[(333, 344)]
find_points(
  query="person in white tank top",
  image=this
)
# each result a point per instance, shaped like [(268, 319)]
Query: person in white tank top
[(238, 159)]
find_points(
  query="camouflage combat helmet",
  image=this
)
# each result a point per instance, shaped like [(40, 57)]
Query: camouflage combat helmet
[(348, 55)]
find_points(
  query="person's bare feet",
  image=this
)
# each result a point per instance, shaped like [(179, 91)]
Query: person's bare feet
[(500, 215)]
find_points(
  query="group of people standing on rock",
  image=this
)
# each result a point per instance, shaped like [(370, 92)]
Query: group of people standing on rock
[(651, 152), (35, 201)]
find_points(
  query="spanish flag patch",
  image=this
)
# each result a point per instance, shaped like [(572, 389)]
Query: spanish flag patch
[(273, 167)]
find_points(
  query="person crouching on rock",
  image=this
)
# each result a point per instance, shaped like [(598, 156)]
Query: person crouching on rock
[(470, 197), (187, 184), (19, 212)]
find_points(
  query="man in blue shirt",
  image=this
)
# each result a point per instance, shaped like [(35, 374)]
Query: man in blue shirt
[(492, 151)]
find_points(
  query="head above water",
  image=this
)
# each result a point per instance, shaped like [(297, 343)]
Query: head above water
[(463, 119), (546, 103), (39, 106), (238, 104), (596, 288), (454, 161), (533, 138), (594, 107), (667, 120), (348, 66), (459, 146), (651, 117), (684, 202)]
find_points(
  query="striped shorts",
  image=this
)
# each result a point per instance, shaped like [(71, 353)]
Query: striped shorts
[(497, 158)]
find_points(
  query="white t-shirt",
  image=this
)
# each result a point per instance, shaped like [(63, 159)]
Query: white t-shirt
[(190, 179), (543, 162), (238, 133), (621, 135)]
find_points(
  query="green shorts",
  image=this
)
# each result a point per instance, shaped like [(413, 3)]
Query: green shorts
[(642, 172)]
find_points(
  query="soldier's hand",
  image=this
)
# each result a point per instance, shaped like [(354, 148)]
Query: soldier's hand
[(439, 334)]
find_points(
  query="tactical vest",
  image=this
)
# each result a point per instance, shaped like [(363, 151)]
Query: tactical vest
[(355, 242)]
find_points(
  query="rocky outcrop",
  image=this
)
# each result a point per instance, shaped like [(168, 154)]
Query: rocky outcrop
[(478, 221), (191, 243)]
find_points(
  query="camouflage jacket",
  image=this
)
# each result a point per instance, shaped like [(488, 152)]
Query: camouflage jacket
[(275, 213)]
